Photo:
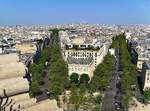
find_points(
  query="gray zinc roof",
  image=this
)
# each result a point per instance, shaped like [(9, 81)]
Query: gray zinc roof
[(82, 61)]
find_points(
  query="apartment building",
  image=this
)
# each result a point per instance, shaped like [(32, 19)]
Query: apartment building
[(141, 60), (146, 76), (84, 60), (82, 56), (140, 51), (86, 52)]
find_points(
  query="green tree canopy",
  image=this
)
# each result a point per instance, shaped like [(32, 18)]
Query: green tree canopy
[(35, 88), (74, 78), (84, 78), (147, 95)]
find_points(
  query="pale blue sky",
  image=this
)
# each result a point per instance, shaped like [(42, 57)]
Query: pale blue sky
[(31, 12)]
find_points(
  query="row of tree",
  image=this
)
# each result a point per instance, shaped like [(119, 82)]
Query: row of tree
[(59, 70), (129, 76), (102, 74), (37, 72), (58, 74), (114, 43)]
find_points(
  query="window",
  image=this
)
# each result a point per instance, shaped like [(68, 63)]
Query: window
[(146, 88), (79, 69), (75, 69), (95, 54), (147, 79), (72, 69)]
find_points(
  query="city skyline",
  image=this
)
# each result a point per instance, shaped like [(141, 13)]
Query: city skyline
[(46, 12)]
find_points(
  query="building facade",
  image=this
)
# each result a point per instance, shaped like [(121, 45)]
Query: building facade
[(146, 76), (82, 53), (84, 60)]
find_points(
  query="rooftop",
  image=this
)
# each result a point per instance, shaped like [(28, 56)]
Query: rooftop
[(147, 65), (83, 61), (83, 47)]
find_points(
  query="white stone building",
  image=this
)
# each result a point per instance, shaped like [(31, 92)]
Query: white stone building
[(84, 61), (146, 75), (96, 55), (82, 56), (140, 62), (80, 65)]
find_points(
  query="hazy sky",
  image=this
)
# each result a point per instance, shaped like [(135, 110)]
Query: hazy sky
[(30, 12)]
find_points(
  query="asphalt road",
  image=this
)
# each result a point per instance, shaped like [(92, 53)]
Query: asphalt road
[(109, 101)]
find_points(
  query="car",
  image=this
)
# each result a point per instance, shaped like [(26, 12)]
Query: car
[(47, 91), (118, 108), (117, 103), (108, 86)]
